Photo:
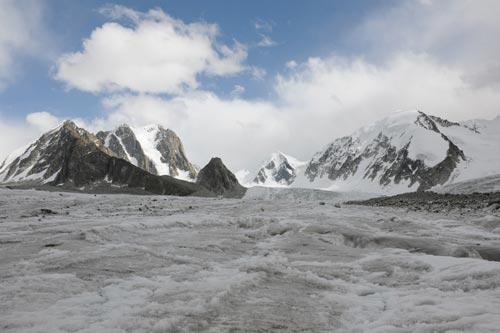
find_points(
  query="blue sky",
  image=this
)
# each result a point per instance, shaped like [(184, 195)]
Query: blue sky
[(259, 75), (300, 29)]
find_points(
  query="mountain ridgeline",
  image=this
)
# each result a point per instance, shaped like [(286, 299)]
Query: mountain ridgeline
[(152, 148), (405, 152), (408, 151), (70, 157)]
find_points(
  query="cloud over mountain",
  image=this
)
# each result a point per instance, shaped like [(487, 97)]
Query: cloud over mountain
[(148, 52)]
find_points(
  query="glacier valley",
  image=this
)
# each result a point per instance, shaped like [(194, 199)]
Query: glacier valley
[(285, 261)]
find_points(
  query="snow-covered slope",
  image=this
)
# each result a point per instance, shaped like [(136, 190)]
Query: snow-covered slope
[(404, 152), (481, 185), (408, 151), (480, 141), (279, 170), (152, 148)]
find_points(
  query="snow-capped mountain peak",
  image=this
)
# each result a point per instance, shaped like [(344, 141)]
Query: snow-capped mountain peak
[(166, 151), (152, 148), (279, 170), (403, 152), (43, 160)]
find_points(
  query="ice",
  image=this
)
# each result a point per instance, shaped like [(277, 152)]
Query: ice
[(275, 260)]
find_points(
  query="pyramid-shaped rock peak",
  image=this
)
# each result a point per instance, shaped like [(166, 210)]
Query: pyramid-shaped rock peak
[(217, 178)]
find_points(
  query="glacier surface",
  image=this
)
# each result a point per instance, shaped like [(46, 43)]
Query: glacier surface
[(273, 261)]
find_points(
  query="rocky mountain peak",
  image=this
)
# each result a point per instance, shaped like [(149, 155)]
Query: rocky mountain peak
[(409, 148), (46, 159), (71, 157), (172, 153), (217, 178), (123, 142), (280, 169), (153, 148), (69, 124)]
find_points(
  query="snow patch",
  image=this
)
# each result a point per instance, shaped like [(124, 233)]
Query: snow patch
[(147, 138)]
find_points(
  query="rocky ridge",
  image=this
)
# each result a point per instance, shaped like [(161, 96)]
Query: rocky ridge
[(73, 158)]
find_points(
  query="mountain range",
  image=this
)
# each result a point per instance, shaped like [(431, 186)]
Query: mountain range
[(149, 159), (407, 151)]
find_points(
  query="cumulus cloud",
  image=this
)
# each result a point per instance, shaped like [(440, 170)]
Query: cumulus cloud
[(153, 53), (22, 132), (459, 33), (43, 121), (314, 103), (345, 93), (208, 125), (20, 34), (18, 133)]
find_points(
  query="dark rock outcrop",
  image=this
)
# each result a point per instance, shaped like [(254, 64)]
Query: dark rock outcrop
[(218, 179), (437, 202)]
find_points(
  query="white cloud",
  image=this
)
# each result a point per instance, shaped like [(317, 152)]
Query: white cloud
[(263, 25), (258, 73), (154, 54), (345, 93), (43, 121), (20, 34), (318, 101), (244, 176), (234, 129), (291, 64), (20, 133), (237, 90), (460, 33), (265, 41)]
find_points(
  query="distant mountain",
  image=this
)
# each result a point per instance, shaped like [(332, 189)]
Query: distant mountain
[(152, 148), (279, 170), (219, 180), (73, 158), (406, 151)]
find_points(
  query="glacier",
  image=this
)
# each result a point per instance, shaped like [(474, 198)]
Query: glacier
[(272, 261)]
